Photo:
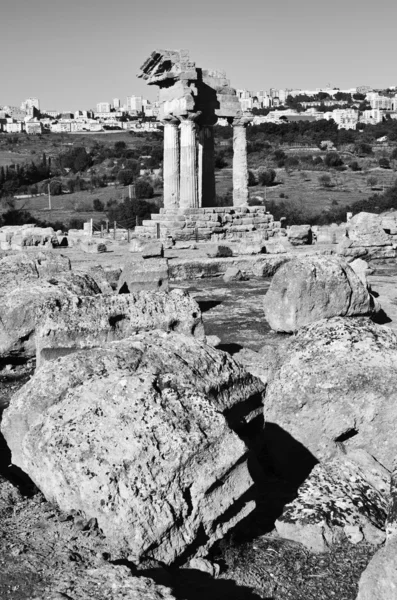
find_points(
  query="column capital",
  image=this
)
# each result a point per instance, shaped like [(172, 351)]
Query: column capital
[(169, 120), (241, 121), (190, 117)]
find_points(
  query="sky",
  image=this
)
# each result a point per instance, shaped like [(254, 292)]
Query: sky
[(72, 54)]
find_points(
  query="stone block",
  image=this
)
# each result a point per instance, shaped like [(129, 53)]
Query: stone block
[(144, 275), (153, 250)]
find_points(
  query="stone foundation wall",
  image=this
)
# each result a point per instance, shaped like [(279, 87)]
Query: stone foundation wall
[(202, 224)]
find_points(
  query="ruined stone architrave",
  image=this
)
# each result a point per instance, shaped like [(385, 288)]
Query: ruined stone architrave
[(191, 101)]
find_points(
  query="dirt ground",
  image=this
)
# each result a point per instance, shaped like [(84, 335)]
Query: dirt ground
[(44, 553)]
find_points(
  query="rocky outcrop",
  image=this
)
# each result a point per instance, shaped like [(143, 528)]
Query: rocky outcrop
[(336, 502), (73, 323), (22, 308), (138, 434), (337, 383), (309, 289), (300, 235)]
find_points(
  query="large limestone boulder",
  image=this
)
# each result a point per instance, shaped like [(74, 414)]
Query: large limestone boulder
[(309, 289), (22, 308), (146, 274), (74, 322), (337, 384), (300, 235), (338, 501), (139, 435), (367, 238), (365, 229)]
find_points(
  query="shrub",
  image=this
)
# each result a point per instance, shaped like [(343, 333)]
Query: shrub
[(266, 177), (220, 161), (98, 205), (325, 181), (251, 178), (355, 166), (143, 189), (384, 163), (332, 159)]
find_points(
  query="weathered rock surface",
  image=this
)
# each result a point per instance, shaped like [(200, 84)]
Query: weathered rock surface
[(74, 322), (365, 229), (335, 502), (366, 237), (300, 235), (22, 308), (362, 269), (109, 582), (137, 435), (309, 289), (379, 580), (146, 274), (17, 269), (233, 274), (218, 250), (337, 383)]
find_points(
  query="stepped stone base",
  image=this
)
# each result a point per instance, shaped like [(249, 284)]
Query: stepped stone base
[(202, 224)]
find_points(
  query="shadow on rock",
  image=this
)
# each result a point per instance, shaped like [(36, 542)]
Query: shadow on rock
[(206, 305), (230, 348), (192, 584), (380, 318)]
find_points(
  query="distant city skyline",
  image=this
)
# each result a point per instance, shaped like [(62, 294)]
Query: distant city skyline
[(73, 55)]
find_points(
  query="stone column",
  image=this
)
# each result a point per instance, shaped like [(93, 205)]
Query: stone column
[(240, 166), (171, 162), (206, 171), (188, 178)]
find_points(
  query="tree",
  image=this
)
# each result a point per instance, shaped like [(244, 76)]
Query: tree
[(266, 177), (125, 176), (251, 179), (372, 181), (55, 187), (98, 205), (143, 189)]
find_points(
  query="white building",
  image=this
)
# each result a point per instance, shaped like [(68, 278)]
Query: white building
[(116, 103), (134, 103), (30, 103), (103, 107), (371, 117)]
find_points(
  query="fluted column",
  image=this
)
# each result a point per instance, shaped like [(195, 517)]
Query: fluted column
[(171, 162), (206, 171), (240, 165), (188, 177)]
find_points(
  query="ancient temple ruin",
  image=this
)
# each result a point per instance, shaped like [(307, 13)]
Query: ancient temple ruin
[(191, 101)]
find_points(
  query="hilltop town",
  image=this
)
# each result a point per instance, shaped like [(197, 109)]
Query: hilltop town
[(348, 108)]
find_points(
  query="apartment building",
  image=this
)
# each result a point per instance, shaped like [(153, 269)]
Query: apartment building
[(103, 107)]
